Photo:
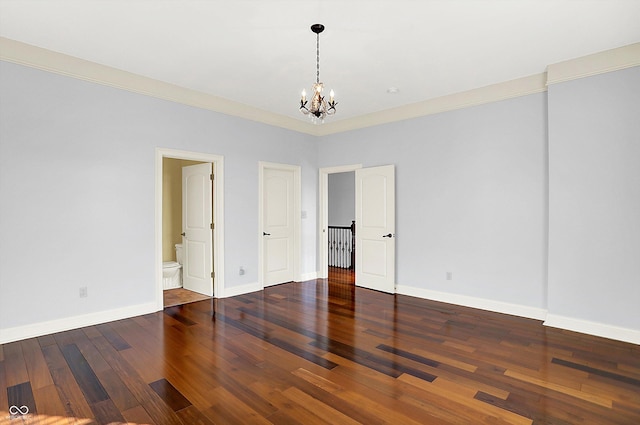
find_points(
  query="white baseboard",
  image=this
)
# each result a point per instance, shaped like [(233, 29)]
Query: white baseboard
[(241, 290), (59, 325), (479, 303), (593, 328), (551, 320)]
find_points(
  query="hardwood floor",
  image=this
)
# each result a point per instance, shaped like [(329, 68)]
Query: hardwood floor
[(338, 275), (179, 296), (317, 353)]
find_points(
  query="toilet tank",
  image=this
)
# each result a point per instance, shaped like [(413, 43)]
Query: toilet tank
[(179, 253)]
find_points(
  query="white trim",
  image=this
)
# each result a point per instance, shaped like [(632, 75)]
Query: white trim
[(242, 289), (598, 63), (593, 328), (473, 302), (59, 325), (552, 320), (308, 276), (70, 66), (297, 212), (492, 93), (218, 217), (47, 60), (323, 218)]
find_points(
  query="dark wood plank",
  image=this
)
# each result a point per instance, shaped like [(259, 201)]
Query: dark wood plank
[(170, 395), (606, 374), (85, 376), (20, 397)]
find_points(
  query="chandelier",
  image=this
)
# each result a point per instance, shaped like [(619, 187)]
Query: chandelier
[(319, 107)]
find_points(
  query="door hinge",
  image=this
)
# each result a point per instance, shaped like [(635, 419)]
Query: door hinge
[(211, 176), (212, 275), (212, 226)]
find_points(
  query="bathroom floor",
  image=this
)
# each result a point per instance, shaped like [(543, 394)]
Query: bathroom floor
[(181, 296)]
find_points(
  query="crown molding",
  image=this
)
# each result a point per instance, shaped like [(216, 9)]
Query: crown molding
[(59, 63), (492, 93), (47, 60), (597, 63)]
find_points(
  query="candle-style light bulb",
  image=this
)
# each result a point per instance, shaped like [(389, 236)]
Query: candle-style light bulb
[(331, 95), (304, 95)]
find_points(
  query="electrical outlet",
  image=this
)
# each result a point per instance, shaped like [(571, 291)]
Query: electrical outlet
[(241, 271), (83, 292), (449, 276)]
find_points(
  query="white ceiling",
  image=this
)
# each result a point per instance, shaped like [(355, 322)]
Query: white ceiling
[(262, 52)]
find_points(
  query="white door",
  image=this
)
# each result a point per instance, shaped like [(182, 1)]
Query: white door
[(375, 228), (197, 228), (279, 221)]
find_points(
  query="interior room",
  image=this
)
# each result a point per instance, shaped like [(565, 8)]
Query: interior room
[(497, 142)]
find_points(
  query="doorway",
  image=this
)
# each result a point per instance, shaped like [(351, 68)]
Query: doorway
[(374, 223), (166, 232), (341, 229), (323, 270)]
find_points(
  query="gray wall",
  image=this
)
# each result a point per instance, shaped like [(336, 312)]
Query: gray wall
[(473, 195), (470, 197), (594, 204), (342, 198), (77, 188)]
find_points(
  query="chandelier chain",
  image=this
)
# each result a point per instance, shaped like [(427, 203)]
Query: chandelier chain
[(317, 58)]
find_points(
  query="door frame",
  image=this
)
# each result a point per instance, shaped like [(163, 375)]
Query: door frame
[(297, 214), (323, 219), (218, 217)]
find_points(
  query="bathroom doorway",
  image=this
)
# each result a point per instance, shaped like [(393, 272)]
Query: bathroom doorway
[(170, 231)]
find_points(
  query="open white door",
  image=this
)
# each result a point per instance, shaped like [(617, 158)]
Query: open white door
[(375, 228), (197, 262), (280, 219)]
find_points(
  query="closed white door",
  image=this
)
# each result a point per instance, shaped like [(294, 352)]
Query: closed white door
[(197, 227), (278, 224), (375, 228)]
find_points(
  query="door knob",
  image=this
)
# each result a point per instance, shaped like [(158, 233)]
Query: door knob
[(388, 236), (266, 234), (183, 234)]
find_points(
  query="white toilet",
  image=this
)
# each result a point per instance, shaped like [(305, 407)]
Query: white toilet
[(172, 271)]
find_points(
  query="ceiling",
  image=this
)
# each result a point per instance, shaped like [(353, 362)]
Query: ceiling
[(262, 52)]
